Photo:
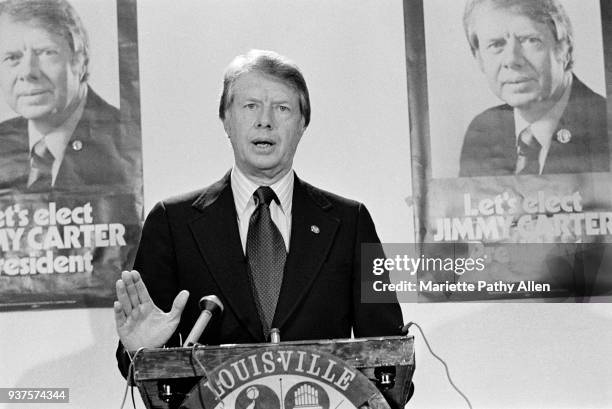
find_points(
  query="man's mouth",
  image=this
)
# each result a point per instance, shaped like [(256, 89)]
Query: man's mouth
[(514, 81), (263, 143), (33, 93)]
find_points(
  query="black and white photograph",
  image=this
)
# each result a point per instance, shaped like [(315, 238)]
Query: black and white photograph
[(484, 90), (510, 140), (70, 152), (281, 147), (60, 99)]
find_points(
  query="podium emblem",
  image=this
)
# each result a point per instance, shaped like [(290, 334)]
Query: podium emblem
[(299, 377), (257, 396), (306, 395)]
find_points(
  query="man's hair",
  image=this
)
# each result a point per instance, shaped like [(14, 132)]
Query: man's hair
[(55, 16), (549, 12), (268, 63)]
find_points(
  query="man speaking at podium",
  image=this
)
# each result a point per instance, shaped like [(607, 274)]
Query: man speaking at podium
[(278, 252)]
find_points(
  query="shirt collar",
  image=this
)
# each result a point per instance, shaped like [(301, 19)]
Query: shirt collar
[(58, 138), (544, 128), (243, 189)]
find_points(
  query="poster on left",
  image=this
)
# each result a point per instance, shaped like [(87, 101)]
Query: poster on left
[(71, 197)]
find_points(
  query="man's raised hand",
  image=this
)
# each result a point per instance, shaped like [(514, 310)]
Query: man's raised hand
[(139, 323)]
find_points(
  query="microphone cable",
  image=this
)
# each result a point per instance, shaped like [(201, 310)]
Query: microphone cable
[(205, 372), (128, 379), (405, 329)]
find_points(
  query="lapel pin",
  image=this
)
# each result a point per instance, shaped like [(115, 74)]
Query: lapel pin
[(564, 136), (77, 145), (315, 229)]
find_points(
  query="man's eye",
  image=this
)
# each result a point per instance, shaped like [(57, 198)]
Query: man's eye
[(250, 106), (48, 52), (496, 46), (10, 58), (283, 108), (531, 40)]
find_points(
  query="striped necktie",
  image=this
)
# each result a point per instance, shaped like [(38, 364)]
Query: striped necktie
[(528, 149), (41, 163)]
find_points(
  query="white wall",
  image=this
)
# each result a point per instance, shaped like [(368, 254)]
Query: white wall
[(352, 53)]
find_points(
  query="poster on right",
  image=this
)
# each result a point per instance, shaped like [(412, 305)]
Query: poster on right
[(511, 150)]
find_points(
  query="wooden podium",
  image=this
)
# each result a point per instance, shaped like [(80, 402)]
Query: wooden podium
[(323, 374)]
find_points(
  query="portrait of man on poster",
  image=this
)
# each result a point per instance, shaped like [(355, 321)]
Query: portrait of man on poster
[(65, 137), (550, 121)]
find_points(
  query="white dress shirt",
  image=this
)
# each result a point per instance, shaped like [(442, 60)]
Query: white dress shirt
[(243, 189)]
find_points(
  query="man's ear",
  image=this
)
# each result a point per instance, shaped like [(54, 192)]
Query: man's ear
[(79, 65), (226, 124), (563, 52), (478, 58)]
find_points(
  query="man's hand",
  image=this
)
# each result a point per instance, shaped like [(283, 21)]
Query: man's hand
[(140, 324)]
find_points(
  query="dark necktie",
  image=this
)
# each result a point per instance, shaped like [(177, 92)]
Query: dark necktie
[(266, 254), (41, 163), (528, 149)]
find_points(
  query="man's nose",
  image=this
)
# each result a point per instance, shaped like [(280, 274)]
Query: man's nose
[(512, 54), (265, 119), (29, 66)]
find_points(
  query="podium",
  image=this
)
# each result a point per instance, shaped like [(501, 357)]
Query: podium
[(337, 373)]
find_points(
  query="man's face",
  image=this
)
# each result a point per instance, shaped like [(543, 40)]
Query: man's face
[(520, 58), (39, 77), (264, 124)]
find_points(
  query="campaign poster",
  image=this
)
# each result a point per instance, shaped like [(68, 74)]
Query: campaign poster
[(71, 196), (510, 138)]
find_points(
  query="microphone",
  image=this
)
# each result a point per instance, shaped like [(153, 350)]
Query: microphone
[(209, 306)]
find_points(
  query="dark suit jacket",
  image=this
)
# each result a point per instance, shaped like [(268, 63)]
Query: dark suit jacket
[(192, 242), (106, 152), (489, 147)]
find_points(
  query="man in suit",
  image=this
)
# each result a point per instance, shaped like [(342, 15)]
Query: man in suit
[(210, 241), (67, 138), (551, 122)]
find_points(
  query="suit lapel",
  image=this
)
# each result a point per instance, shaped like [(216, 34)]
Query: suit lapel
[(93, 142), (218, 239), (563, 157), (76, 162), (507, 145), (500, 143), (15, 158), (312, 234)]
